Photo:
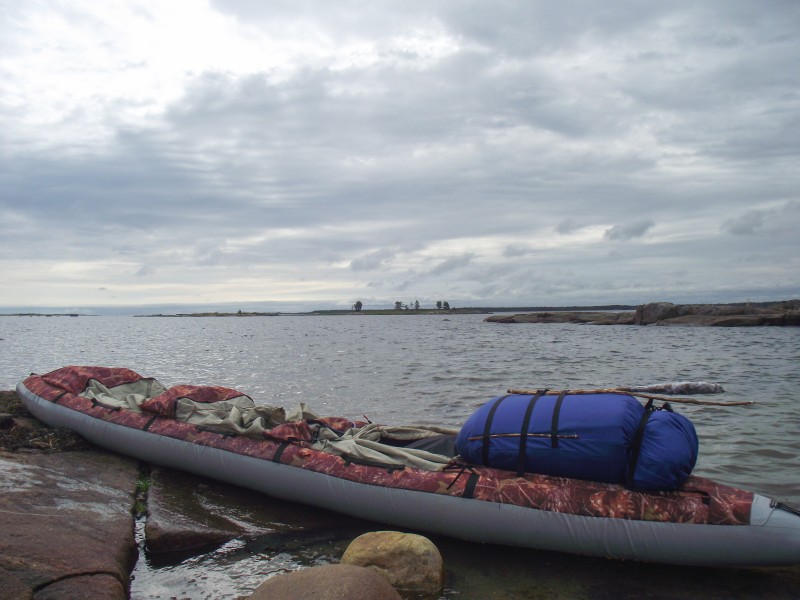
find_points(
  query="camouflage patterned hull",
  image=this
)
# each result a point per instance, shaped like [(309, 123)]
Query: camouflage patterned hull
[(702, 523)]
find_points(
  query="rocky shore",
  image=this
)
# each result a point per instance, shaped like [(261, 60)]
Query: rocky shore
[(785, 313), (65, 513)]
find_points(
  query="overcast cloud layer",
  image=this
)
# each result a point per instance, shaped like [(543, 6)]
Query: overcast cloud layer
[(311, 154)]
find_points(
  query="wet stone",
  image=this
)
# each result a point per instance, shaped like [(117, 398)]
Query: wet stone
[(12, 588), (328, 582), (410, 562), (189, 515), (64, 516), (177, 522), (86, 587)]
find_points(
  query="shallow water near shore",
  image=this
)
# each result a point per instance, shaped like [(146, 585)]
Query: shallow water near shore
[(437, 369)]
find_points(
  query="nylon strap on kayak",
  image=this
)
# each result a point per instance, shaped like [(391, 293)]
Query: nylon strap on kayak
[(487, 430), (469, 489), (554, 424), (279, 452), (150, 421), (523, 436), (472, 480)]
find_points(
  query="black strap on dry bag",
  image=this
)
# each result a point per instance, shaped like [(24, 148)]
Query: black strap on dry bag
[(554, 423), (636, 445), (523, 435), (487, 430)]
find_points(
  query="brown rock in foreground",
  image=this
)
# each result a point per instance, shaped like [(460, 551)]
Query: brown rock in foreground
[(328, 582), (66, 522), (410, 562)]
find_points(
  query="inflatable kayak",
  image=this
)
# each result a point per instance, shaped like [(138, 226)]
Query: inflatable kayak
[(408, 476)]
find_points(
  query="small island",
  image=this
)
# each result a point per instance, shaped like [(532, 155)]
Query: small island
[(749, 314)]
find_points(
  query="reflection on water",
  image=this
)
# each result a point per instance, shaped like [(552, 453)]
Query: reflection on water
[(234, 569), (437, 370)]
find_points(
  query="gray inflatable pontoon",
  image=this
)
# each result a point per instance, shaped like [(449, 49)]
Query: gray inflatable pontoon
[(768, 535)]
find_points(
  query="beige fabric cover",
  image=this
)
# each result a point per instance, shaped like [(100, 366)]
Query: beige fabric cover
[(241, 416)]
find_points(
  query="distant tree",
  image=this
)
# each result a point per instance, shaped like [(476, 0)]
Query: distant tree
[(416, 304), (357, 306), (438, 305), (398, 305), (446, 305)]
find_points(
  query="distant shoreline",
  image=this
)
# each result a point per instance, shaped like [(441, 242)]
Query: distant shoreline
[(473, 310), (34, 314), (332, 312)]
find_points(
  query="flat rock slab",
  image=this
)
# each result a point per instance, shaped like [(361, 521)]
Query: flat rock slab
[(66, 522), (595, 318), (188, 515)]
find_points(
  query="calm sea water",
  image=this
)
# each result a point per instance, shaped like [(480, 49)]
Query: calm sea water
[(438, 369)]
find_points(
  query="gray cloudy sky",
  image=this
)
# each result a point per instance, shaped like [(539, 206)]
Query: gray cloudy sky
[(312, 154)]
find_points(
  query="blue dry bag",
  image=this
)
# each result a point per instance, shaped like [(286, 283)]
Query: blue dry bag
[(606, 437)]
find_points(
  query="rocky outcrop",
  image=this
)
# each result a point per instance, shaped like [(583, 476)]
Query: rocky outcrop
[(66, 523), (327, 582), (594, 318), (780, 314), (719, 315), (411, 563), (654, 312)]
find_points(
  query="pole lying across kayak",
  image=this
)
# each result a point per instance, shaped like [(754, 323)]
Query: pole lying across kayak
[(637, 394)]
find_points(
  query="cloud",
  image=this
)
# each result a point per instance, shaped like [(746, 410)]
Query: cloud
[(452, 263), (567, 226), (628, 231), (373, 260), (745, 224), (777, 218), (515, 251), (396, 146)]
